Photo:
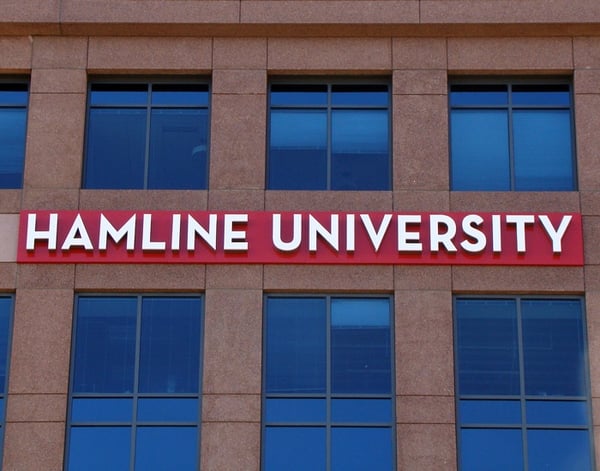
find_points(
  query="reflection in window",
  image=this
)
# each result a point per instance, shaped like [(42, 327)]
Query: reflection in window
[(328, 384), (523, 388), (329, 137), (511, 137), (13, 118), (135, 387), (147, 136)]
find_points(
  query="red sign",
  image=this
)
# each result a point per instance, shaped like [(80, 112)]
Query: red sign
[(300, 237)]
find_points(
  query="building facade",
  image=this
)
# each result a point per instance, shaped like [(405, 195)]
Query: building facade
[(402, 108)]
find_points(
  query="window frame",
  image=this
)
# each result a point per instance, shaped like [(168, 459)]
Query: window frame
[(329, 82), (523, 426), (509, 82), (149, 82), (135, 395), (8, 80), (328, 424)]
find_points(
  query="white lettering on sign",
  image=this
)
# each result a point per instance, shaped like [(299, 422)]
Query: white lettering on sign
[(470, 226), (49, 235), (376, 235), (313, 233), (409, 241), (439, 236), (107, 229), (209, 236), (556, 235), (232, 239), (77, 236), (296, 233)]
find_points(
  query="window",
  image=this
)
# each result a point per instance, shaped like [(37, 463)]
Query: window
[(152, 136), (511, 136), (135, 384), (6, 309), (13, 119), (329, 137), (523, 390), (328, 390)]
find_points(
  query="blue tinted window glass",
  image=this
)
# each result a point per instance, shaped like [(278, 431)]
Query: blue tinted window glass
[(488, 353), (360, 95), (359, 150), (170, 345), (294, 449), (360, 346), (298, 95), (2, 410), (361, 410), (14, 94), (178, 149), (559, 450), (105, 345), (134, 142), (12, 146), (479, 150), (101, 410), (184, 94), (168, 410), (115, 148), (545, 95), (553, 347), (358, 449), (499, 449), (329, 139), (543, 150), (296, 410), (478, 95), (298, 150), (120, 95), (99, 448), (489, 412), (296, 357), (5, 314), (166, 448), (557, 413)]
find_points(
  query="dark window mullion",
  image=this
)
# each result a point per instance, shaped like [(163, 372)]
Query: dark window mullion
[(136, 372), (93, 423), (328, 371), (182, 106), (298, 107), (480, 107), (329, 150), (511, 144), (116, 106), (6, 355), (198, 394), (522, 377), (541, 107), (147, 143)]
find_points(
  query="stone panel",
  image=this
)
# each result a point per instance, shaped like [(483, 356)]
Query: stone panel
[(426, 446), (509, 54), (424, 349), (232, 446), (34, 446), (41, 342), (320, 278), (238, 134), (329, 54), (232, 342), (55, 131)]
